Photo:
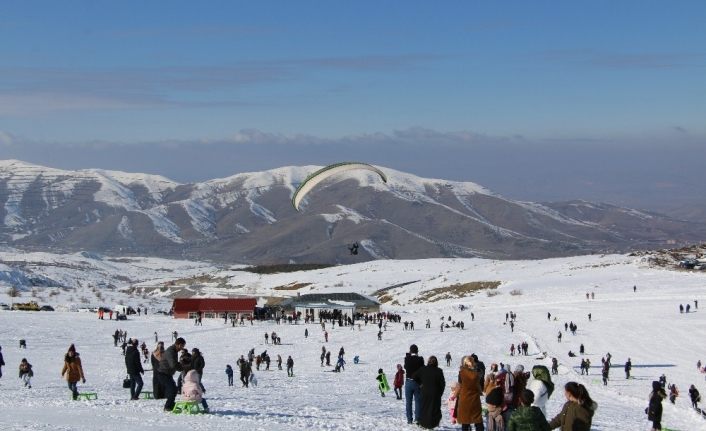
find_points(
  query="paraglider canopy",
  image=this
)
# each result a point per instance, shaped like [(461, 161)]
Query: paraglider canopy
[(322, 174)]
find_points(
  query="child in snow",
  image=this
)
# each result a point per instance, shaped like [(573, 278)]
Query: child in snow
[(26, 373), (673, 393), (399, 381), (451, 402), (191, 389), (229, 373), (383, 386)]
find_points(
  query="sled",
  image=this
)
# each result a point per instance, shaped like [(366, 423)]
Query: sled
[(147, 395), (383, 386), (188, 408), (88, 396)]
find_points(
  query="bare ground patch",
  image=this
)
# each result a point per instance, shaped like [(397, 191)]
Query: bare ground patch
[(292, 286), (460, 290)]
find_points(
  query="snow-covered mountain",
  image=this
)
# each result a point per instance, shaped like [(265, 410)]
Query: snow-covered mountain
[(248, 218)]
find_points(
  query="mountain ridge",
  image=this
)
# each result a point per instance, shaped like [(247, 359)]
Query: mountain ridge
[(248, 217)]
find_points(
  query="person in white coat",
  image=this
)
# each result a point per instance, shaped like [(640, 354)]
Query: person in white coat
[(542, 387)]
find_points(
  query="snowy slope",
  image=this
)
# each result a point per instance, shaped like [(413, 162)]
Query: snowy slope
[(644, 325)]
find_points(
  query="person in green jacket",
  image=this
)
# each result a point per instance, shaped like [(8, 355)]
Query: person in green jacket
[(526, 417), (577, 413)]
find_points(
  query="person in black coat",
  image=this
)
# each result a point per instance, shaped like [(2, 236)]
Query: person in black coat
[(134, 370), (2, 362), (412, 394), (431, 380), (168, 365), (157, 389), (198, 363), (654, 411), (695, 396)]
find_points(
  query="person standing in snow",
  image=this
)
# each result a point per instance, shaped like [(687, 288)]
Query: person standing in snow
[(673, 393), (654, 410), (168, 365), (73, 370), (245, 372), (399, 381), (198, 363), (2, 361), (134, 370), (694, 396), (157, 389), (605, 373), (628, 367), (229, 373), (26, 373), (577, 413), (469, 393), (290, 367), (431, 380), (555, 366), (448, 359), (541, 386), (412, 392)]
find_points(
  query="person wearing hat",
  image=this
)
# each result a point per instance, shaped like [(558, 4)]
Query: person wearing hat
[(73, 370), (542, 387), (168, 365), (134, 370)]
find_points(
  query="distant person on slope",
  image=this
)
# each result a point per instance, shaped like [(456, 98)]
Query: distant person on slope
[(2, 361), (73, 370)]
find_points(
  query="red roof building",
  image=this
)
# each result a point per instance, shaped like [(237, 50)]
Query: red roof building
[(189, 308)]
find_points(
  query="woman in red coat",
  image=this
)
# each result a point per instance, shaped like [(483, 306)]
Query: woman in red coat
[(399, 381), (469, 407)]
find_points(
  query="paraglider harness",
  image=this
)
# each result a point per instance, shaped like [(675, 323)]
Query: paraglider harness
[(353, 248)]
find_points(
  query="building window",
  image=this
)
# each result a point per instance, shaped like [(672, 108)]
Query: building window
[(209, 315), (193, 315)]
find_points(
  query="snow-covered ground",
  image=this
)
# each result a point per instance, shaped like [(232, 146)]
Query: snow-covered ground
[(644, 325)]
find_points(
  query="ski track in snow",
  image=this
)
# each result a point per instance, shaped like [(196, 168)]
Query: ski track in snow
[(645, 326)]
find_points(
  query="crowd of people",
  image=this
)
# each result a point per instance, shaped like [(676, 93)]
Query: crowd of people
[(497, 399)]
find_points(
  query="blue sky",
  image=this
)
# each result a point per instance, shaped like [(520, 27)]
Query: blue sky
[(547, 74)]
